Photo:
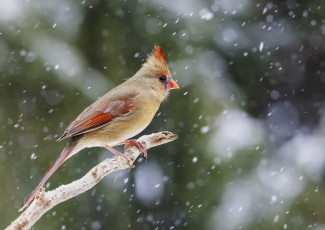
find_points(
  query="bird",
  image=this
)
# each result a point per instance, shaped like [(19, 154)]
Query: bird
[(117, 116)]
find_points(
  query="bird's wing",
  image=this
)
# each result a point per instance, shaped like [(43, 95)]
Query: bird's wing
[(99, 114)]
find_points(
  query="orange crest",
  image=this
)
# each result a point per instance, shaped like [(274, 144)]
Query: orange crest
[(156, 62), (159, 55)]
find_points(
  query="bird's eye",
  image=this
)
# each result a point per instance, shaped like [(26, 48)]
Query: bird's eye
[(162, 78)]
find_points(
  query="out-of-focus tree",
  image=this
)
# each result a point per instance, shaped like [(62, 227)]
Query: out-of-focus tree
[(249, 113)]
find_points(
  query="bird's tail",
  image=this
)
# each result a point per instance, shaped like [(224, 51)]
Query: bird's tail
[(62, 157)]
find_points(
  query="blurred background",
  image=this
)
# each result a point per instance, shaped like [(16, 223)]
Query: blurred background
[(249, 115)]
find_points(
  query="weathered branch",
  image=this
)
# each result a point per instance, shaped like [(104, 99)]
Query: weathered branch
[(44, 201)]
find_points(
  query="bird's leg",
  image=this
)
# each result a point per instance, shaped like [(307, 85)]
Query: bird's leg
[(136, 143), (117, 153)]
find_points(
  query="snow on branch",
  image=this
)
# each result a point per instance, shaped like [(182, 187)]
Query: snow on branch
[(44, 201)]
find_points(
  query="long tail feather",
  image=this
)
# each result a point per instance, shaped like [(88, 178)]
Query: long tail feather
[(62, 157)]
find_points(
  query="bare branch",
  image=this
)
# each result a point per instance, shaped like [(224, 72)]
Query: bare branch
[(44, 201)]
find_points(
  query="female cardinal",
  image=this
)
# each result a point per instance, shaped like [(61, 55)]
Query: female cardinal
[(120, 114)]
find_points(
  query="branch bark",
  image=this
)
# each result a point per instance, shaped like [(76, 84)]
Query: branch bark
[(44, 201)]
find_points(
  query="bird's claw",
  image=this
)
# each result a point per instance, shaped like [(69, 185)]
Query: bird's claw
[(139, 145), (117, 153)]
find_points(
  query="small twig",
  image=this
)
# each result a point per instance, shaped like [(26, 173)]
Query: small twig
[(44, 201)]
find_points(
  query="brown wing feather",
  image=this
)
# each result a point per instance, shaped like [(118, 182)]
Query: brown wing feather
[(97, 119), (94, 121)]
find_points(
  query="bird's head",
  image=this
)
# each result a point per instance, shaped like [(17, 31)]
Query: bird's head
[(157, 72)]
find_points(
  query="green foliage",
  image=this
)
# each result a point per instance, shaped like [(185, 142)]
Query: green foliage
[(249, 113)]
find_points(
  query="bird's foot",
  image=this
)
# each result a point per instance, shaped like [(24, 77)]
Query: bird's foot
[(136, 143), (117, 153)]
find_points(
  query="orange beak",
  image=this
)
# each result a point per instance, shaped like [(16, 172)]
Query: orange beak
[(172, 84)]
